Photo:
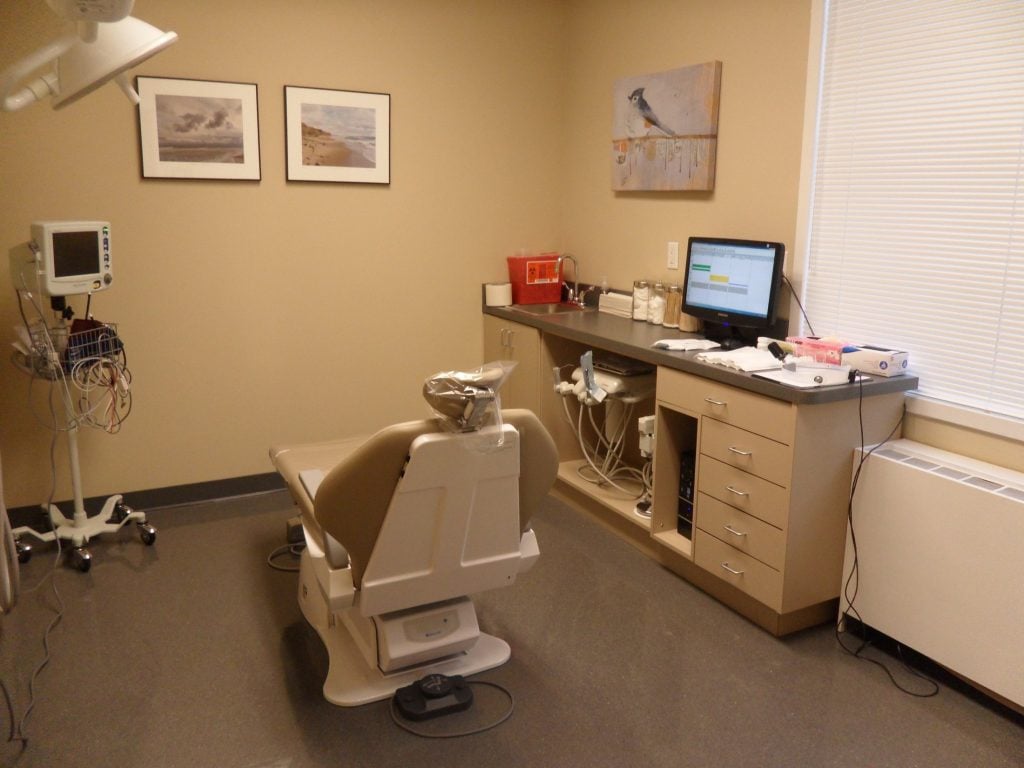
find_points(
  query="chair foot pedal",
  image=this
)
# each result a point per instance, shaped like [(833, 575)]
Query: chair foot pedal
[(293, 531), (433, 696)]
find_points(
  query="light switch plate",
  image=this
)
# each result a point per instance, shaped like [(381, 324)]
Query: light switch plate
[(673, 255)]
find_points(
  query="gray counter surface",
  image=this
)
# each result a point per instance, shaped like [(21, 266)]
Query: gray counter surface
[(633, 339)]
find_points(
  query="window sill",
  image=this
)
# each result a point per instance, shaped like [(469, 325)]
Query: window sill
[(962, 416)]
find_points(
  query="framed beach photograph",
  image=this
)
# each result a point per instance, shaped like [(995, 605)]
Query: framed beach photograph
[(337, 135), (198, 129)]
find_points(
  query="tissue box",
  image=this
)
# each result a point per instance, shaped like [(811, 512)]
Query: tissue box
[(819, 350), (877, 360)]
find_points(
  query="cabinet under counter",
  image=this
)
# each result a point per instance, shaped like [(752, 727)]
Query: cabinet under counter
[(769, 468)]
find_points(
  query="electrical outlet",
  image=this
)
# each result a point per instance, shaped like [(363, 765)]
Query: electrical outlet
[(673, 255)]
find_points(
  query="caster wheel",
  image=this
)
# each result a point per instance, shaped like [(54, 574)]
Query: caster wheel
[(24, 551), (148, 534), (121, 511), (81, 559)]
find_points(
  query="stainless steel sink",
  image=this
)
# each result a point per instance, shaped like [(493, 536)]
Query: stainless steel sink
[(546, 309)]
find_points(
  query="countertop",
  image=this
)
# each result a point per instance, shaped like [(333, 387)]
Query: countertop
[(633, 339)]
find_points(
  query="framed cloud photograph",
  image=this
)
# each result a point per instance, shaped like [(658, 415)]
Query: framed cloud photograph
[(337, 135), (198, 129)]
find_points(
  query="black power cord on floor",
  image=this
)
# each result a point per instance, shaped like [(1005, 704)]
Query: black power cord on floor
[(852, 583)]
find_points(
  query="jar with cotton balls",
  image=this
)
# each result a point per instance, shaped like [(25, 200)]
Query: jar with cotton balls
[(656, 306)]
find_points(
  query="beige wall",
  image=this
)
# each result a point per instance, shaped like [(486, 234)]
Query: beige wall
[(256, 313), (762, 45)]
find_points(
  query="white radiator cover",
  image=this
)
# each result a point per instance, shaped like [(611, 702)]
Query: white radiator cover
[(940, 541)]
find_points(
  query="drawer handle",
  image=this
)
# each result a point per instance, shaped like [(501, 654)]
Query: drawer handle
[(736, 491), (715, 402), (733, 571), (740, 451), (733, 531)]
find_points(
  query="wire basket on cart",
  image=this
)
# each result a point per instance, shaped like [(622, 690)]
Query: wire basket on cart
[(88, 357), (60, 350)]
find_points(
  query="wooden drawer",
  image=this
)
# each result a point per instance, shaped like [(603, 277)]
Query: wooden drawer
[(763, 415), (749, 493), (744, 572), (747, 534), (747, 451)]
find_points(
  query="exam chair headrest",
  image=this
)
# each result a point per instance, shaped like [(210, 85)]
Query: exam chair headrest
[(466, 401)]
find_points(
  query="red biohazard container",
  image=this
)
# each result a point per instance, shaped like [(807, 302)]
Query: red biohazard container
[(535, 279)]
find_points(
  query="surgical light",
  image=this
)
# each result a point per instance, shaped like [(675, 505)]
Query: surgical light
[(98, 51)]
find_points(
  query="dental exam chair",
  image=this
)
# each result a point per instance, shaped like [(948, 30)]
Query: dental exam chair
[(402, 526)]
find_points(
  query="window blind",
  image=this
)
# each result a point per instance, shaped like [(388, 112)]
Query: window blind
[(916, 228)]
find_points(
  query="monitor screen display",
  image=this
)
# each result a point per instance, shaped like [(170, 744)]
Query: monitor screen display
[(732, 281), (76, 253)]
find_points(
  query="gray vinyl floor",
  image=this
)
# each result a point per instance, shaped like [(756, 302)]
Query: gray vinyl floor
[(193, 653)]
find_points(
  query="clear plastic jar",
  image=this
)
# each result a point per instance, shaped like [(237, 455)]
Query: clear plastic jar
[(656, 307), (673, 303), (641, 299)]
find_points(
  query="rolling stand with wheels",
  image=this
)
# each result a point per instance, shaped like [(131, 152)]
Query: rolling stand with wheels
[(81, 527), (73, 258)]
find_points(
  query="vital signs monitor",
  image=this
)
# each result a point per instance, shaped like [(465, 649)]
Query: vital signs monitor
[(69, 257)]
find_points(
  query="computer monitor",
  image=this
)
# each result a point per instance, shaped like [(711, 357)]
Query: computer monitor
[(733, 286)]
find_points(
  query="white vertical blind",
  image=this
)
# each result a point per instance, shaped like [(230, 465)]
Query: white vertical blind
[(917, 214)]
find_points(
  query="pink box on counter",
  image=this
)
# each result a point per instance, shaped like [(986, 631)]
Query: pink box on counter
[(819, 350)]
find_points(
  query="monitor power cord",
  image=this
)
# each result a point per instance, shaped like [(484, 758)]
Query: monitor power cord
[(852, 583)]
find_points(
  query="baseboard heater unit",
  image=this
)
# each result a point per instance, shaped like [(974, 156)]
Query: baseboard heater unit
[(940, 542)]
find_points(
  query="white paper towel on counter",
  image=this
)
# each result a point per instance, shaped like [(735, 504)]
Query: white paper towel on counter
[(498, 294)]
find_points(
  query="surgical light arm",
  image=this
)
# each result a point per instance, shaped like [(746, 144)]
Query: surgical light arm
[(42, 86), (103, 45)]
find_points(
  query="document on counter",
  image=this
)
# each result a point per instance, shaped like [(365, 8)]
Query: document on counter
[(789, 378), (684, 345), (811, 378), (746, 359)]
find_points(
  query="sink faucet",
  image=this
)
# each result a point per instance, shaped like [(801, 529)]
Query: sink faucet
[(574, 292)]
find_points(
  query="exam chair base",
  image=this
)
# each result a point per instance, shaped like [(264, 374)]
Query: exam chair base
[(351, 682)]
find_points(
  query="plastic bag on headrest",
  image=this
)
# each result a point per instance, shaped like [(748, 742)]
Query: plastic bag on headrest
[(468, 401)]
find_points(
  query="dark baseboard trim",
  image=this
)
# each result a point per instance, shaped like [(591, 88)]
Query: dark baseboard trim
[(162, 497)]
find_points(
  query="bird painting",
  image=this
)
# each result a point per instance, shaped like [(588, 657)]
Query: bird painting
[(647, 119), (665, 129)]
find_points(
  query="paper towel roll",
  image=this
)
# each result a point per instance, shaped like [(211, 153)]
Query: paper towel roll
[(498, 294)]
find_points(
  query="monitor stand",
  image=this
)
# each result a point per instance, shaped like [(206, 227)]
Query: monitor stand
[(734, 337), (733, 342), (729, 336)]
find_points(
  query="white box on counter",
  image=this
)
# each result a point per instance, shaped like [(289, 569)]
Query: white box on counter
[(877, 360)]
